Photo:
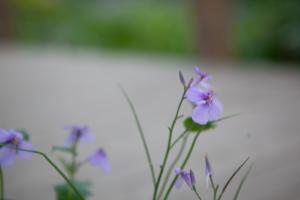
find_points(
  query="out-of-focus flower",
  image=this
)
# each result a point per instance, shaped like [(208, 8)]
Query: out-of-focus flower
[(99, 158), (207, 105), (202, 78), (184, 176), (11, 141), (78, 133), (208, 170)]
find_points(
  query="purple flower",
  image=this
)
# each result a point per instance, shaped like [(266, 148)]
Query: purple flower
[(184, 176), (208, 170), (207, 105), (202, 78), (99, 158), (12, 141), (78, 133)]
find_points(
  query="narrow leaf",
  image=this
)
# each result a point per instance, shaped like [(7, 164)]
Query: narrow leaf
[(241, 184), (231, 178)]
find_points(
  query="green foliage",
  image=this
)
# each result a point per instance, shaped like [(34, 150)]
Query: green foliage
[(68, 167), (144, 26), (25, 134), (194, 127), (64, 192), (267, 29)]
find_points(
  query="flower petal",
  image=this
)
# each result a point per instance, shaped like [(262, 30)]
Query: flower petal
[(100, 158), (3, 135), (194, 95), (178, 182), (87, 136), (215, 109), (23, 154), (187, 178), (200, 114), (7, 156)]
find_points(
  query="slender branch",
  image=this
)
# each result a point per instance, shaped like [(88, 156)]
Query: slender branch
[(196, 192), (168, 148), (216, 192), (173, 164), (180, 136), (215, 188), (1, 184), (182, 165), (136, 118), (56, 168)]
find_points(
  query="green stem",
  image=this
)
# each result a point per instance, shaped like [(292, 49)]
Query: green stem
[(1, 184), (216, 192), (173, 164), (196, 192), (73, 170), (141, 134), (168, 148), (57, 169), (182, 165), (180, 136)]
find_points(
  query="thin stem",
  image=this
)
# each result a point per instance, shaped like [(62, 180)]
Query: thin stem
[(215, 188), (168, 148), (216, 192), (173, 164), (1, 184), (196, 192), (56, 168), (141, 132), (212, 182), (180, 136), (73, 170), (182, 165)]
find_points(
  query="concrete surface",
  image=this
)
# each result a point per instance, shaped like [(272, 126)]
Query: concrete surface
[(44, 89)]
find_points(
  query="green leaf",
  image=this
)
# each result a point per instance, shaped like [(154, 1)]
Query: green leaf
[(194, 127), (64, 192), (63, 149), (25, 134)]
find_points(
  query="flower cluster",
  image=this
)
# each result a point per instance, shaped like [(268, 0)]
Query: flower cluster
[(189, 178), (12, 144), (83, 133), (207, 106)]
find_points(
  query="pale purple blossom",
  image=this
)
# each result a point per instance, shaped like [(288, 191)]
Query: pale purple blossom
[(202, 78), (13, 143), (207, 105), (184, 176), (99, 158), (78, 133)]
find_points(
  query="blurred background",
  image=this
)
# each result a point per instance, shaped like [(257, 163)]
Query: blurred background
[(239, 29), (61, 60)]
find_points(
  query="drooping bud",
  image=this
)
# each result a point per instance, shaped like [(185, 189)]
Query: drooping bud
[(182, 79)]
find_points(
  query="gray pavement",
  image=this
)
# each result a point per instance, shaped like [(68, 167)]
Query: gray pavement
[(44, 89)]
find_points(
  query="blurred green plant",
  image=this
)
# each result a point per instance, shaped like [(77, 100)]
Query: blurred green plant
[(260, 29), (151, 27), (267, 29)]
